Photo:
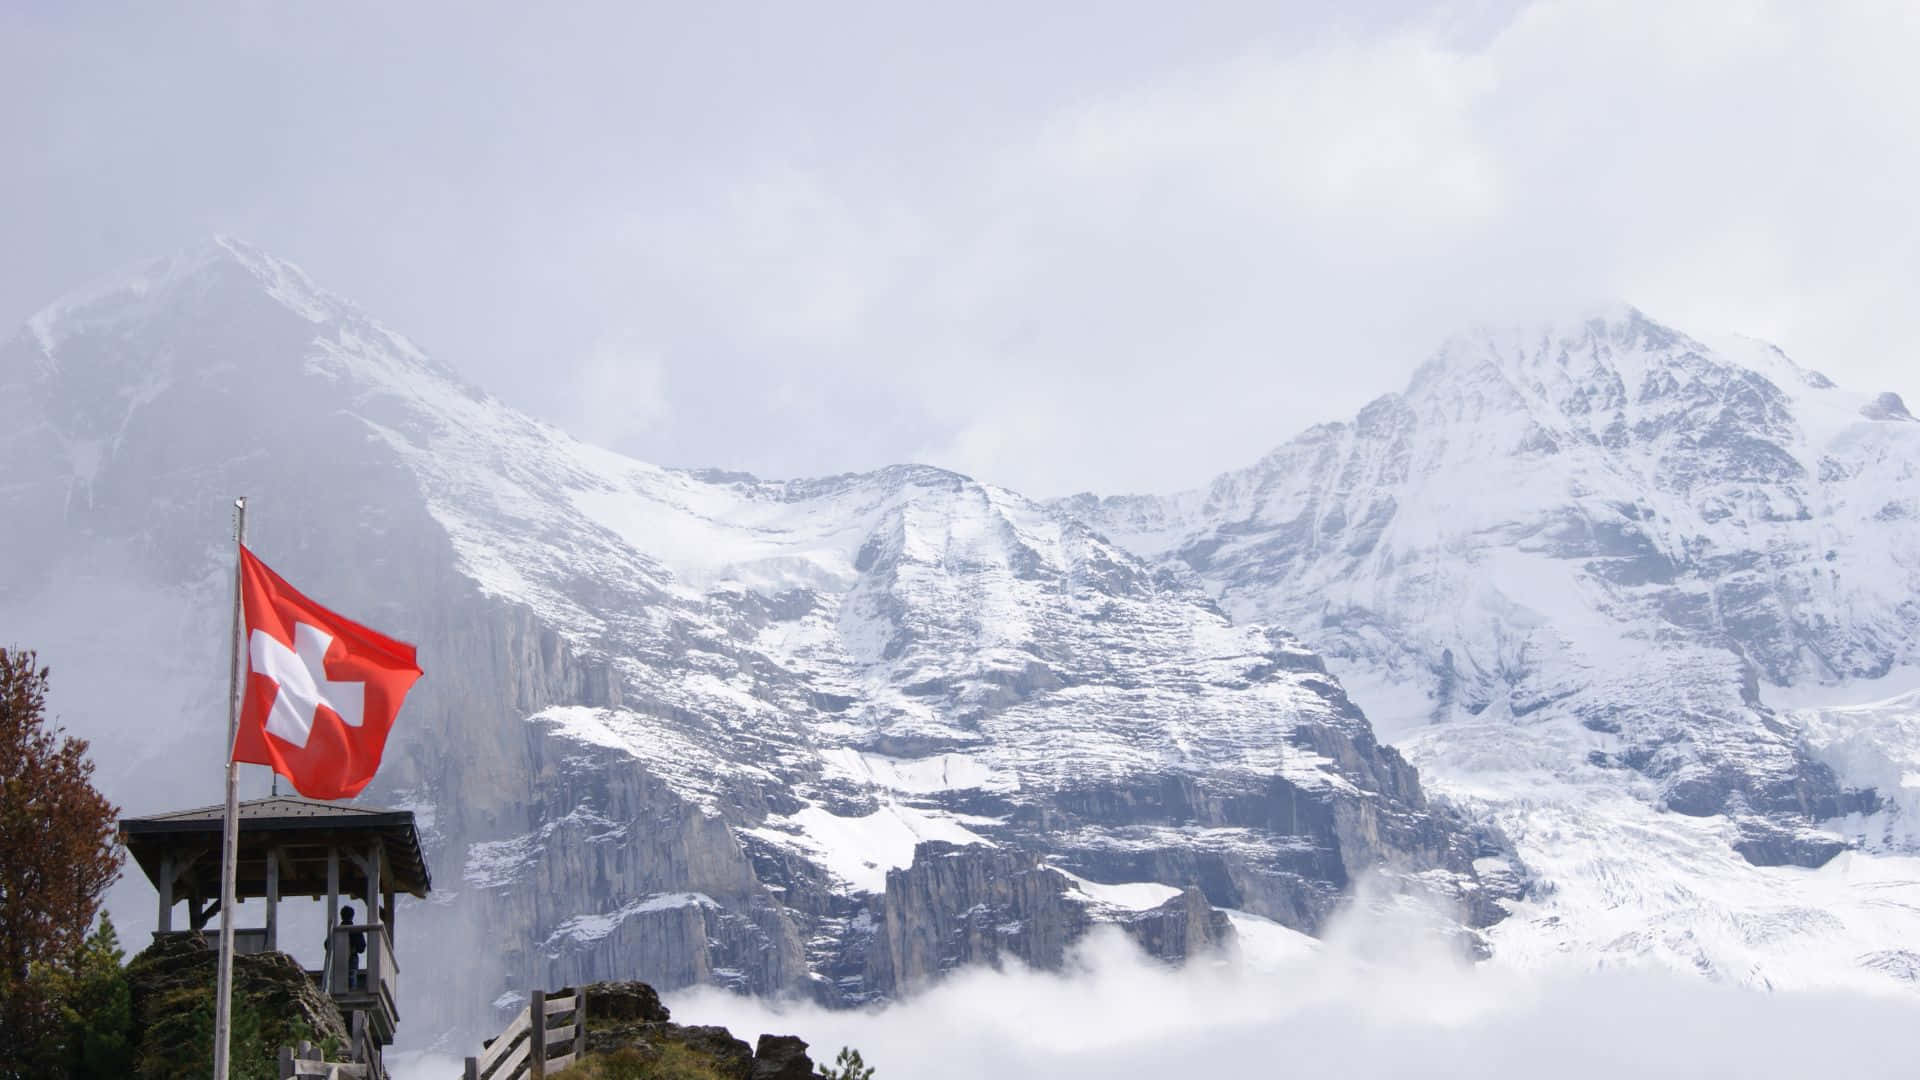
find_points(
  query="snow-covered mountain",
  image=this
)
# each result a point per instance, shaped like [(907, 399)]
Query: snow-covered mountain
[(1605, 582), (1641, 608), (827, 737)]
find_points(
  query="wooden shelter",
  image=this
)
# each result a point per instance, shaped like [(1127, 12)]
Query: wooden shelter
[(293, 847)]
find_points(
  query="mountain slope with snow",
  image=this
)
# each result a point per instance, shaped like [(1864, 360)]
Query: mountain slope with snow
[(1586, 576), (827, 736)]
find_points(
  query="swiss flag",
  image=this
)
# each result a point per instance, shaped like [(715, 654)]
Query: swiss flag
[(322, 690)]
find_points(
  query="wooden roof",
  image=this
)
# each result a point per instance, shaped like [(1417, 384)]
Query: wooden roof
[(302, 831)]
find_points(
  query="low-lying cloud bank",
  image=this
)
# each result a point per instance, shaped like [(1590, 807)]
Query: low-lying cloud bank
[(1379, 997), (1342, 1012)]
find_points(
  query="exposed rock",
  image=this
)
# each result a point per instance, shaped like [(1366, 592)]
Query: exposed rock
[(962, 905), (1886, 406), (275, 1004), (622, 1002), (1768, 843), (965, 905), (1182, 928), (781, 1057), (627, 1017)]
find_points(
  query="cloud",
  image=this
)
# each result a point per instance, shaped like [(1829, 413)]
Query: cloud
[(622, 388), (1174, 275), (1110, 253), (1119, 1015), (1380, 996)]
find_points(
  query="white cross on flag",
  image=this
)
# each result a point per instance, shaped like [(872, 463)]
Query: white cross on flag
[(322, 690)]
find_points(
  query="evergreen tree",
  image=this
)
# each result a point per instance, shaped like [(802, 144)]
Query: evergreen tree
[(98, 1010), (848, 1066)]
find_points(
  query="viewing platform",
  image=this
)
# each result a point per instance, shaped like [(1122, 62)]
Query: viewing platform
[(289, 848)]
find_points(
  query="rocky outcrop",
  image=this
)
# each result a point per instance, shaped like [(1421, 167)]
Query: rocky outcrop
[(275, 1004), (956, 906), (1183, 928), (781, 1057), (970, 905), (626, 1021)]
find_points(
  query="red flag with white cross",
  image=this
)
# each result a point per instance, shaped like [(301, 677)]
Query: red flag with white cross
[(322, 691)]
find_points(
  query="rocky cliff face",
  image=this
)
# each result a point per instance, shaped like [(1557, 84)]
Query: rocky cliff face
[(827, 737)]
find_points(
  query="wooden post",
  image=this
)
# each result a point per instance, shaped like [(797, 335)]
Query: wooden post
[(166, 894), (537, 1053), (374, 958), (333, 913), (333, 887), (373, 882), (473, 1069), (273, 900), (579, 1022)]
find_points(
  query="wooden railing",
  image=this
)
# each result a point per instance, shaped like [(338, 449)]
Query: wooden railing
[(308, 1062), (247, 940), (527, 1046), (378, 973)]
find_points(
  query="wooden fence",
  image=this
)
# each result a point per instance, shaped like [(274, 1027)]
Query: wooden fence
[(548, 1035)]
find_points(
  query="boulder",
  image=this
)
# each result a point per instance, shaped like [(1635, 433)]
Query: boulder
[(625, 1001), (781, 1057)]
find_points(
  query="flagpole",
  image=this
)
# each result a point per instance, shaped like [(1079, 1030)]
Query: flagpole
[(230, 837)]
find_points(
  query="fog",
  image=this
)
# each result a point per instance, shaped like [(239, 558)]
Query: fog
[(1090, 247), (1376, 999), (1124, 1016)]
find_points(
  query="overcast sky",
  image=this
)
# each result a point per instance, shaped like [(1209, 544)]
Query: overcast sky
[(1112, 246)]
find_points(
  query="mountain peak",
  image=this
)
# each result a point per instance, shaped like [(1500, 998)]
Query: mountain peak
[(1596, 338), (221, 281), (215, 264)]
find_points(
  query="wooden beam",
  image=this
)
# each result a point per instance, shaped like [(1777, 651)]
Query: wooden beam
[(579, 1021), (372, 867), (333, 912), (166, 894), (333, 889), (273, 901), (537, 1058)]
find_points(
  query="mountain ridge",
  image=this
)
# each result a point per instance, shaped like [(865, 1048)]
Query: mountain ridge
[(826, 737), (1588, 576), (836, 736)]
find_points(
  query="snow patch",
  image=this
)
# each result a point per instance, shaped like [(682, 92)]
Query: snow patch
[(940, 772), (860, 850), (1131, 896), (586, 929)]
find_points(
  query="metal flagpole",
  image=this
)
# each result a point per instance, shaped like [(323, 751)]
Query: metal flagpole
[(230, 838)]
